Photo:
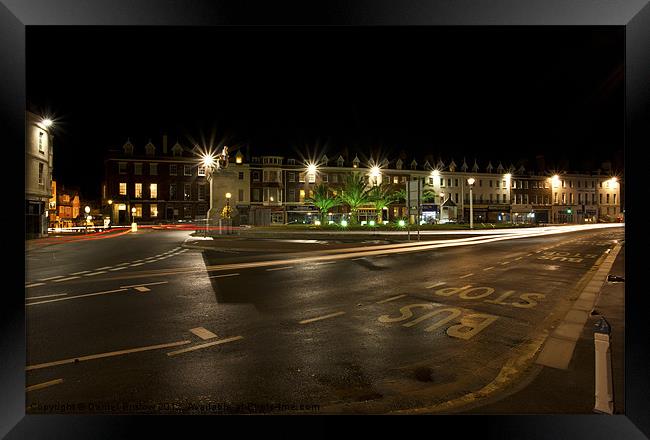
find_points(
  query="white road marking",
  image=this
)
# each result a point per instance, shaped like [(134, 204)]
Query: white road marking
[(468, 275), (504, 263), (207, 344), (436, 285), (137, 261), (518, 258), (355, 259), (95, 273), (488, 268), (325, 262), (79, 273), (45, 296), (104, 355), (390, 299), (529, 255), (226, 275), (51, 278), (117, 268), (144, 284), (105, 267), (279, 268), (43, 385), (34, 285), (75, 297), (142, 289), (203, 333), (136, 264), (320, 318), (122, 264), (65, 279)]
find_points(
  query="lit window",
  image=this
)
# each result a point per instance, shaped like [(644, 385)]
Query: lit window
[(153, 190), (396, 180), (201, 170), (153, 209), (302, 195), (301, 177), (138, 190), (122, 188), (138, 210), (312, 178)]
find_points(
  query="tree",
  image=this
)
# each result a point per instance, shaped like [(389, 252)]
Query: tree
[(354, 193), (323, 201), (383, 195)]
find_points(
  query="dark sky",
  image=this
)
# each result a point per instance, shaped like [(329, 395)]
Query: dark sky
[(494, 93)]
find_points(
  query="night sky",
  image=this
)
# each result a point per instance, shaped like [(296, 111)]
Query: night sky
[(493, 93)]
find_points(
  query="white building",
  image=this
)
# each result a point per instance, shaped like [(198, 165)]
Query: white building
[(38, 174)]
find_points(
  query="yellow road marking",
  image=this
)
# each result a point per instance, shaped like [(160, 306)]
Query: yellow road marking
[(75, 297), (144, 284), (43, 385), (207, 344), (320, 318), (65, 279), (203, 333), (105, 355), (225, 275), (45, 296), (391, 299)]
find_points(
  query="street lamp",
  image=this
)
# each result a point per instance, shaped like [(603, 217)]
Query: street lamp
[(471, 203), (375, 172), (47, 122)]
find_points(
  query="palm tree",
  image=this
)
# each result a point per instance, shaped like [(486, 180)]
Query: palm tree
[(354, 193), (323, 201), (383, 195)]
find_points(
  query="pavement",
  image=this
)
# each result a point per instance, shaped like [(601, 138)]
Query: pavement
[(145, 323)]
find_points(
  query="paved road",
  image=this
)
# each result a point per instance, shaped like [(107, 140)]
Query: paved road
[(375, 330)]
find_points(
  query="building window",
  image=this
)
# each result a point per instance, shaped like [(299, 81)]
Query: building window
[(600, 199), (302, 196), (608, 199), (153, 210), (456, 182), (240, 195), (153, 190), (40, 142), (571, 198), (201, 170), (122, 167), (291, 195), (554, 197), (138, 190), (172, 191), (448, 182), (138, 210), (491, 184), (256, 176), (480, 182), (563, 183), (173, 169), (325, 178), (292, 177), (256, 194), (137, 169), (442, 182), (579, 183), (564, 198), (200, 192), (187, 193), (187, 211), (241, 175), (514, 184), (312, 178), (335, 178), (122, 188), (614, 199), (187, 170), (153, 169), (41, 173), (491, 195)]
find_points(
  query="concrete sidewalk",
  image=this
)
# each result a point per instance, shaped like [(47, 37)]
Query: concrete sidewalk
[(571, 391)]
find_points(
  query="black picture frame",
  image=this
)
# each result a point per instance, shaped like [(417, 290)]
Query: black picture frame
[(15, 15)]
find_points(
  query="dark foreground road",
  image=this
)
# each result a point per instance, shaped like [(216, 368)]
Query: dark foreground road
[(138, 323)]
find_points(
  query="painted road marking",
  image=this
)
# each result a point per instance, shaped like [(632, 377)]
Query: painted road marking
[(104, 355), (320, 318), (46, 296), (207, 344), (105, 267), (436, 285), (529, 255), (355, 259), (144, 284), (142, 289), (203, 333), (325, 262), (137, 261), (75, 297), (122, 264), (43, 385), (136, 264), (225, 275), (391, 299), (79, 273), (65, 279), (503, 263), (117, 268), (518, 258), (380, 256), (278, 268), (468, 275), (95, 273), (52, 278), (34, 285), (489, 268)]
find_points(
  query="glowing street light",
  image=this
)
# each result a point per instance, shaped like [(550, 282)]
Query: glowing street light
[(344, 223), (401, 223), (47, 122), (110, 202), (312, 168), (208, 160), (87, 209), (471, 181)]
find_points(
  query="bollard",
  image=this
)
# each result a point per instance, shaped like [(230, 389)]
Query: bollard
[(604, 386), (134, 227)]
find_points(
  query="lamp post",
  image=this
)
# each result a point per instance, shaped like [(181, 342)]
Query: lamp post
[(227, 216), (87, 211), (134, 225), (471, 203)]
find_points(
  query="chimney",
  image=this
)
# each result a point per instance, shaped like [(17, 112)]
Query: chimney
[(164, 144)]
